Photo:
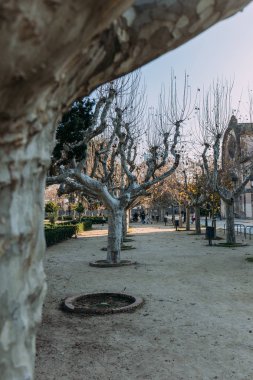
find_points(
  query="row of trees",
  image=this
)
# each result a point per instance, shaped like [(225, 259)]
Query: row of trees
[(187, 190), (214, 117), (204, 175), (100, 145), (98, 152)]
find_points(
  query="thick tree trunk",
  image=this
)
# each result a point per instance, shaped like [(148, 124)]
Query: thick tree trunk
[(230, 223), (173, 214), (197, 220), (115, 218), (99, 46), (180, 216), (22, 281), (125, 223), (188, 219)]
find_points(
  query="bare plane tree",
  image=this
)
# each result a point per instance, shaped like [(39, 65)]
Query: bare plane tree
[(196, 188), (214, 119), (113, 177), (114, 142), (45, 66)]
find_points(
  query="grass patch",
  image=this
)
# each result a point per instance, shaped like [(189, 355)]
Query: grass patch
[(249, 259)]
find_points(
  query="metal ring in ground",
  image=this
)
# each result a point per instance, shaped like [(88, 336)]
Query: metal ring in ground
[(70, 304), (107, 264)]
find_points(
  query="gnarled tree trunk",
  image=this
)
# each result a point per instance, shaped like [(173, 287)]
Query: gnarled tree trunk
[(115, 218), (187, 219), (23, 165), (180, 216), (125, 223), (197, 220), (230, 222)]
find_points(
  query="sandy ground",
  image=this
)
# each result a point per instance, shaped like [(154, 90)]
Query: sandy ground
[(197, 321)]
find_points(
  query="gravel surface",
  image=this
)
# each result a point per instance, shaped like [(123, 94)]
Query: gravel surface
[(196, 323)]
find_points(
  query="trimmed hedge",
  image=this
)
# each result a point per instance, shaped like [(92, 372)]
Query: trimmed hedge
[(65, 217), (84, 225), (95, 219), (56, 234), (67, 223), (59, 232)]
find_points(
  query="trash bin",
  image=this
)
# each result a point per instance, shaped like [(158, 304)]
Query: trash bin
[(210, 234)]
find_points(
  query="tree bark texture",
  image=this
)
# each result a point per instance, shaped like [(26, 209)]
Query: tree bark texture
[(188, 219), (115, 218), (180, 216), (197, 220), (125, 223), (23, 165), (51, 53), (230, 223), (68, 48)]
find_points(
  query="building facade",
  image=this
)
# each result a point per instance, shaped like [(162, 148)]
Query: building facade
[(237, 156)]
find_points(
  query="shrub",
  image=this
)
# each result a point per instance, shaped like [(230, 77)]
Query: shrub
[(83, 226), (51, 207), (63, 231), (87, 225), (56, 234), (65, 217), (80, 209), (67, 223), (95, 219)]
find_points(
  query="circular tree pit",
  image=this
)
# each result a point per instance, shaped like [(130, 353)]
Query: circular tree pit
[(101, 303), (107, 264)]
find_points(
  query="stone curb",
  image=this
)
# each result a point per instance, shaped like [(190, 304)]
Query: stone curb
[(106, 264), (67, 304)]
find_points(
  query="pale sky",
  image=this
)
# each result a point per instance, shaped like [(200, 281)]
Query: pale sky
[(225, 50)]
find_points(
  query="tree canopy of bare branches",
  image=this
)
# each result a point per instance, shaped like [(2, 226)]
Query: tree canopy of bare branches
[(115, 176), (214, 119)]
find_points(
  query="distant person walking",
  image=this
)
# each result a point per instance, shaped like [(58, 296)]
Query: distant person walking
[(147, 220), (135, 217), (143, 216), (176, 221)]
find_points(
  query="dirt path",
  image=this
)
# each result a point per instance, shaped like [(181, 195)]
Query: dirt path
[(197, 322)]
